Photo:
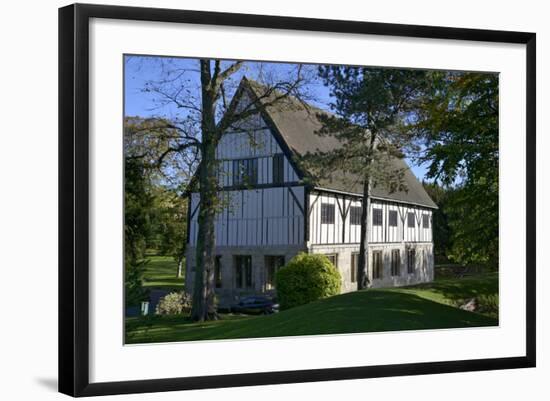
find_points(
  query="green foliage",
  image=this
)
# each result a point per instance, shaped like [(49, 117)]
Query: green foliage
[(137, 225), (473, 219), (441, 229), (156, 177), (488, 304), (175, 303), (155, 211), (138, 202), (134, 293), (169, 223), (458, 123), (306, 278)]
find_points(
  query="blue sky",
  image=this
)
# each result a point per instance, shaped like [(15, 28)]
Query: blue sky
[(141, 70)]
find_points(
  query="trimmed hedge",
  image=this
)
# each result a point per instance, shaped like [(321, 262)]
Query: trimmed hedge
[(306, 278)]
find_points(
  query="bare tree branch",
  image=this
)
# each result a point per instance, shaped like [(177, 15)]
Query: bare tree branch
[(271, 96), (233, 68)]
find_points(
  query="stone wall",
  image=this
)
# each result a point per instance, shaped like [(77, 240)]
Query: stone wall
[(229, 294), (423, 272), (343, 263)]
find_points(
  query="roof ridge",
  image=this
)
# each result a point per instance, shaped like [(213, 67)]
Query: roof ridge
[(298, 130)]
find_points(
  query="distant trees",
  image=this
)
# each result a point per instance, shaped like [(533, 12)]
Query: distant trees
[(155, 217), (137, 226), (170, 225)]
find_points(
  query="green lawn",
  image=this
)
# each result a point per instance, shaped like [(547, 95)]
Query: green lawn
[(454, 292), (427, 306), (160, 272)]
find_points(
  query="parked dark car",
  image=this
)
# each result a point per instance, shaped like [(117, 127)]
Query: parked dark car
[(255, 305)]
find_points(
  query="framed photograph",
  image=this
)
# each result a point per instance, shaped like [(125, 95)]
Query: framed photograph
[(251, 199)]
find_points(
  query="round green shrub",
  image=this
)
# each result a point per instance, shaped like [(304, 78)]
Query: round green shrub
[(306, 278)]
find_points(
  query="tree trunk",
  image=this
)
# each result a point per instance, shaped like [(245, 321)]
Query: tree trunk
[(203, 307), (203, 297), (362, 263)]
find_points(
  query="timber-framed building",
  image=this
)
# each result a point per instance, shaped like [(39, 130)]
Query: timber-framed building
[(270, 214)]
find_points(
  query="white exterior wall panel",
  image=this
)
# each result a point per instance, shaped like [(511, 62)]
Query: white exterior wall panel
[(257, 144), (343, 232), (257, 217)]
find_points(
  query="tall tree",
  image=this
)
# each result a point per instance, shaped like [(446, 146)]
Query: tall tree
[(206, 115), (368, 104), (457, 120)]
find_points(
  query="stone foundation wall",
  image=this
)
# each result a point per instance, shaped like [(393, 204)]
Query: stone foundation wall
[(343, 263), (229, 294), (423, 272)]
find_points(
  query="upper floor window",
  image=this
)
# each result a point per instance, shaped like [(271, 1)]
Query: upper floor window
[(327, 213), (376, 217), (355, 215), (425, 221), (245, 172), (392, 218), (278, 168), (410, 219)]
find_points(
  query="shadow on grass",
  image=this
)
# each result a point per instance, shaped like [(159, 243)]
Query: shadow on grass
[(467, 287), (357, 312)]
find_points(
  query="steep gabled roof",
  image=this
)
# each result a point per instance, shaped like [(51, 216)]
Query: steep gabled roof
[(297, 123)]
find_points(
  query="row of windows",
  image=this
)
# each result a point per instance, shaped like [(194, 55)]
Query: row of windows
[(245, 171), (243, 267), (377, 263), (328, 210), (243, 270)]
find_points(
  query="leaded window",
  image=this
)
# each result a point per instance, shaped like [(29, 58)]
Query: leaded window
[(327, 213), (245, 172), (376, 217)]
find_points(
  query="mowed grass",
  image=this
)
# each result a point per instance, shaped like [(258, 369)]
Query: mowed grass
[(161, 272), (456, 291), (427, 306)]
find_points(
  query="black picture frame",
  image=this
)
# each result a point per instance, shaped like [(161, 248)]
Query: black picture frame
[(74, 198)]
